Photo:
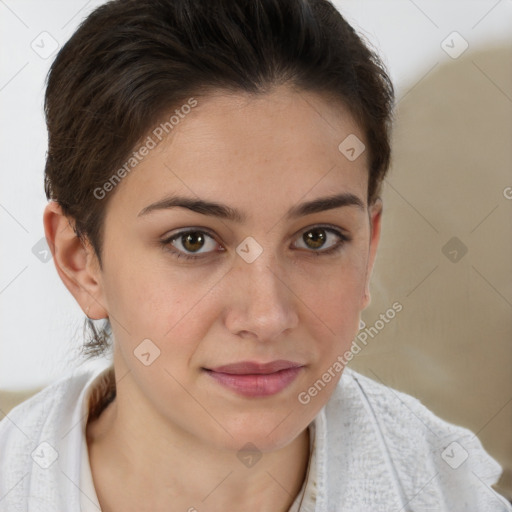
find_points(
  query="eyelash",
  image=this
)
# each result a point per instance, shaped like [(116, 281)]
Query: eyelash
[(167, 243)]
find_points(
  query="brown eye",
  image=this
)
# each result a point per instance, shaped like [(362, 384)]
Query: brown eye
[(315, 238), (190, 244), (328, 239), (193, 241)]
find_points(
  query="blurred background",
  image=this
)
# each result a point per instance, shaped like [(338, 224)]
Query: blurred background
[(446, 246)]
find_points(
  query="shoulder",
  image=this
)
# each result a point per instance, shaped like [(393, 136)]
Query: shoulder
[(392, 408), (44, 405), (39, 440), (40, 409), (444, 463)]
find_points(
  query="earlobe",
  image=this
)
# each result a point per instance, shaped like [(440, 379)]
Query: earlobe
[(367, 299), (75, 262)]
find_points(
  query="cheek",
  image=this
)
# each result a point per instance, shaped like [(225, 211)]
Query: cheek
[(334, 302), (335, 291), (338, 311), (154, 299)]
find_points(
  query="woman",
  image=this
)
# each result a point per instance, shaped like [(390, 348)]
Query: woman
[(214, 173)]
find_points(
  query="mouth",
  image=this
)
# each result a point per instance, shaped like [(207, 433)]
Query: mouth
[(253, 379)]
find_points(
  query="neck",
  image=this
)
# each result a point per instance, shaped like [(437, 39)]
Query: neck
[(139, 464)]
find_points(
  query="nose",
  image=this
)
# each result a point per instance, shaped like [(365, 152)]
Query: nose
[(261, 303)]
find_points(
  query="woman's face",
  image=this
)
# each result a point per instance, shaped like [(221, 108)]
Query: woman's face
[(275, 282)]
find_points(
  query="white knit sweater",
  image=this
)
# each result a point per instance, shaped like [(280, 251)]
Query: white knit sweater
[(374, 449)]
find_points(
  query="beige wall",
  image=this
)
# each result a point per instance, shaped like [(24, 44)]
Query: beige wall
[(451, 345)]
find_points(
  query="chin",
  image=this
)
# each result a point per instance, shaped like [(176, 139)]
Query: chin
[(268, 431)]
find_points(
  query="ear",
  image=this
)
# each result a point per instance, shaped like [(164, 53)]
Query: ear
[(375, 215), (76, 262)]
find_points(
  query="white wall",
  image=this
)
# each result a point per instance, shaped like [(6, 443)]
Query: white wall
[(40, 323)]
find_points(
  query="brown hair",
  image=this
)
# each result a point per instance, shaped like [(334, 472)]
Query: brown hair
[(132, 61)]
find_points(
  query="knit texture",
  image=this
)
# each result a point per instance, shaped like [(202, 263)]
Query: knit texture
[(375, 449)]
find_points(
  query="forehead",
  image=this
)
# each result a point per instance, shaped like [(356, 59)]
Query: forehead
[(251, 149)]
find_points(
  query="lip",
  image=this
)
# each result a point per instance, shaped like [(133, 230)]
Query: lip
[(252, 367), (253, 379)]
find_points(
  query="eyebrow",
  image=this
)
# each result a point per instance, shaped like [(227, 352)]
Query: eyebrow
[(223, 211)]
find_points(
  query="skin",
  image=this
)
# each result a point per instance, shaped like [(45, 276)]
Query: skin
[(170, 439)]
